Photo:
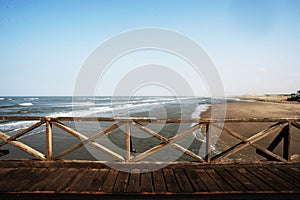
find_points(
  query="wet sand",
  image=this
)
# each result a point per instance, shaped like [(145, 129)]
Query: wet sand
[(258, 109)]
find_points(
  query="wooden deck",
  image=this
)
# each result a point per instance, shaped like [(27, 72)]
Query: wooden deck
[(32, 179)]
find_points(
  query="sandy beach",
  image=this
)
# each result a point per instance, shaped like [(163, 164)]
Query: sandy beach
[(265, 108)]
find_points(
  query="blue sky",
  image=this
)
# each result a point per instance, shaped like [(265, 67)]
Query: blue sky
[(254, 44)]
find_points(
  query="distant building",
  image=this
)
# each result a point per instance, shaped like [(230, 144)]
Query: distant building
[(294, 96)]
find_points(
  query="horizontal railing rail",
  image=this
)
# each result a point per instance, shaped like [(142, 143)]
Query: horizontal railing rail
[(281, 125)]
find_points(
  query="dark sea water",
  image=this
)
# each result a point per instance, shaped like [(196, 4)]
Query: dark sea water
[(104, 106)]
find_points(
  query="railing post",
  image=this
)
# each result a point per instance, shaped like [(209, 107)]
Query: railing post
[(287, 142), (128, 142), (48, 139), (207, 142)]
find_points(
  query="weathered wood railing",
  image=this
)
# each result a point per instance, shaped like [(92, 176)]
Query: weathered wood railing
[(283, 125)]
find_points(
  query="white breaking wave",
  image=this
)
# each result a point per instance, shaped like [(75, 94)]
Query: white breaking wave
[(198, 133), (31, 98), (2, 98), (25, 104), (14, 126), (196, 115), (105, 108)]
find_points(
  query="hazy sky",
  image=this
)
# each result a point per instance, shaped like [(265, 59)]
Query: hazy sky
[(255, 45)]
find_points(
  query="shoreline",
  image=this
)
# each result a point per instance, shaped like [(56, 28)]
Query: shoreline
[(267, 98), (257, 109)]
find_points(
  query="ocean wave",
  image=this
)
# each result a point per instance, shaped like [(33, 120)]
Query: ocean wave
[(118, 107), (31, 98), (234, 99), (100, 99), (15, 126), (198, 133), (196, 115), (2, 98), (25, 104)]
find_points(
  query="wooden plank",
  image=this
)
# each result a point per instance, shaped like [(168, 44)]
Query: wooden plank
[(287, 176), (291, 172), (49, 179), (5, 172), (183, 181), (37, 175), (82, 182), (296, 169), (77, 178), (171, 183), (51, 183), (208, 181), (150, 119), (121, 182), (25, 179), (22, 118), (159, 182), (250, 175), (281, 181), (146, 182), (64, 180), (196, 181), (249, 184), (270, 180), (231, 180), (110, 180), (99, 180), (223, 185), (134, 181), (283, 178), (40, 175), (13, 179)]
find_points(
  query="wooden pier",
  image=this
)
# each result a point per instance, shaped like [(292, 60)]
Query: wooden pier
[(276, 176), (75, 180)]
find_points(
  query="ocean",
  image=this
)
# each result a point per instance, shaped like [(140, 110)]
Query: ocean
[(105, 106)]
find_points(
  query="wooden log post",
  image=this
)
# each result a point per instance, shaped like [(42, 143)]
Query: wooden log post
[(128, 142), (207, 143), (287, 142), (48, 139)]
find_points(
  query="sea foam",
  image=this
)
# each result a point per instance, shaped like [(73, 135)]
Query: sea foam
[(25, 104)]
